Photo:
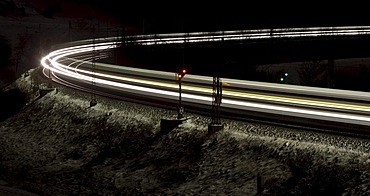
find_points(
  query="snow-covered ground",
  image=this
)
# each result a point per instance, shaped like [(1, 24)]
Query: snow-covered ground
[(58, 145)]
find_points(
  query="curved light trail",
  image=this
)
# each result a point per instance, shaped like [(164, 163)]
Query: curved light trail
[(247, 35), (73, 64)]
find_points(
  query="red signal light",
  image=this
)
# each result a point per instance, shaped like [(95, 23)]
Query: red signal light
[(181, 74)]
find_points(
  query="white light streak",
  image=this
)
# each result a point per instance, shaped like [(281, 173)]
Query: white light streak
[(54, 62)]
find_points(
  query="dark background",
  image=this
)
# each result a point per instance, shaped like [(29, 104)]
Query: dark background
[(164, 16), (139, 17)]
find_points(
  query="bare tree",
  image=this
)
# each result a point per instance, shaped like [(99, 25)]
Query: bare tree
[(19, 49), (5, 54), (313, 73)]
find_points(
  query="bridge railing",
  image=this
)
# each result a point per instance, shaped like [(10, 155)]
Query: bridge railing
[(221, 36), (239, 35)]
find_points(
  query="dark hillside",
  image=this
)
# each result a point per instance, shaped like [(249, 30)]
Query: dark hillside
[(60, 146)]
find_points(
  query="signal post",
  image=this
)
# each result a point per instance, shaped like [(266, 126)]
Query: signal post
[(168, 124), (180, 113)]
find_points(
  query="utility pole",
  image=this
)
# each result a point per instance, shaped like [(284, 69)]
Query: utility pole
[(49, 79), (216, 100), (93, 101), (215, 124)]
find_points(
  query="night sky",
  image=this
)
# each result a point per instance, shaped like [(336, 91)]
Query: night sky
[(190, 16)]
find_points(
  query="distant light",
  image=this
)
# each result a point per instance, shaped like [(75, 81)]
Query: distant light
[(286, 74), (281, 79)]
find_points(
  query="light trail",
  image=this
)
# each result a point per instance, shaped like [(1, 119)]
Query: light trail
[(288, 33), (74, 62)]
